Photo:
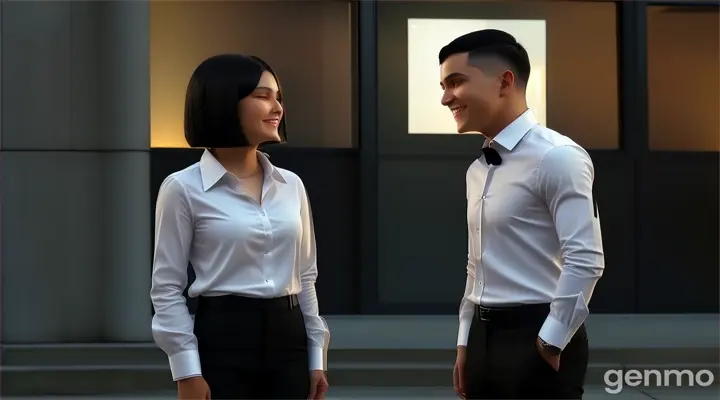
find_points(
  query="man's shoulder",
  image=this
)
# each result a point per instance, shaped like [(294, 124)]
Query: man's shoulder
[(545, 139), (545, 142), (558, 154)]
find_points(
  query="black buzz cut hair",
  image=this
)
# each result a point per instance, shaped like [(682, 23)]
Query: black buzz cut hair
[(211, 102), (491, 43)]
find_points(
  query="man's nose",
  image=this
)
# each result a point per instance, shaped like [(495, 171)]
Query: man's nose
[(447, 99)]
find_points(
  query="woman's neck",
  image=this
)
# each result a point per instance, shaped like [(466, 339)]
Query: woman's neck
[(240, 161)]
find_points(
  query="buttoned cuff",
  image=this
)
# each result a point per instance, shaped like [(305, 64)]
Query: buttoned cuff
[(555, 333), (317, 359), (464, 332), (185, 365)]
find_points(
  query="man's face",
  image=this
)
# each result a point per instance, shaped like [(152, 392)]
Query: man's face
[(472, 96)]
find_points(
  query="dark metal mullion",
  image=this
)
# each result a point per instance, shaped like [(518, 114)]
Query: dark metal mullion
[(368, 140), (632, 39)]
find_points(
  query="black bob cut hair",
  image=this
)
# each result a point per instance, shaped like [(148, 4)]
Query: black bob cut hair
[(211, 101), (491, 42)]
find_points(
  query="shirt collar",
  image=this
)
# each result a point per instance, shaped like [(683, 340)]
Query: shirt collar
[(212, 171), (509, 137)]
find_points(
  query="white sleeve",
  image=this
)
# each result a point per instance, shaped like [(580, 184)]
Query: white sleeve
[(317, 330), (565, 180), (172, 325)]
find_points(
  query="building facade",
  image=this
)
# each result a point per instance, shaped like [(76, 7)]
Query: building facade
[(91, 123)]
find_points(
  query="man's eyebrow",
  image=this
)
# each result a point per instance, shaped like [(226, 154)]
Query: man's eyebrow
[(454, 75), (265, 88)]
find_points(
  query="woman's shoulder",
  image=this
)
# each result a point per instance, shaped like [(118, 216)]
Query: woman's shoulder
[(184, 179), (289, 177)]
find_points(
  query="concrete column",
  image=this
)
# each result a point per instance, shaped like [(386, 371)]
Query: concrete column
[(126, 187), (75, 171)]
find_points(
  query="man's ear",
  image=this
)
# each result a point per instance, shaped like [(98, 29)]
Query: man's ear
[(507, 80)]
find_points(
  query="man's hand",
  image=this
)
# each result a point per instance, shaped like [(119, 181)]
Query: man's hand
[(193, 388), (549, 353), (318, 385), (459, 371)]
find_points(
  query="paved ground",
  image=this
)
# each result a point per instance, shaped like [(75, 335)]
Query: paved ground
[(594, 393), (366, 393)]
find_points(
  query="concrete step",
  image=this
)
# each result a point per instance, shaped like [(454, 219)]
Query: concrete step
[(365, 351), (129, 379), (131, 368), (428, 393), (148, 354)]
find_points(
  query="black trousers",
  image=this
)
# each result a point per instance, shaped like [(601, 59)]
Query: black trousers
[(253, 348), (503, 361)]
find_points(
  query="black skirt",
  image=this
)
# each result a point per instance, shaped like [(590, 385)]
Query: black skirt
[(253, 348)]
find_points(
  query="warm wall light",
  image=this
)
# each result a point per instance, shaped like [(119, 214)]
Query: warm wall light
[(315, 68), (425, 39)]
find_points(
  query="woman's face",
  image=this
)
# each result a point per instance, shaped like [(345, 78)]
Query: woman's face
[(261, 111)]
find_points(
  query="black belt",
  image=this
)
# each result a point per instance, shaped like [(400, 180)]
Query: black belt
[(232, 302), (526, 314)]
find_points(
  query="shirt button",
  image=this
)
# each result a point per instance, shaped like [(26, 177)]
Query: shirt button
[(483, 197)]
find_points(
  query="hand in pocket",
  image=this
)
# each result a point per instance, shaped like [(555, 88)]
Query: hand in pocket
[(547, 355)]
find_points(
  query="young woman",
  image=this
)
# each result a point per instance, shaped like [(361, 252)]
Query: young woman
[(246, 228)]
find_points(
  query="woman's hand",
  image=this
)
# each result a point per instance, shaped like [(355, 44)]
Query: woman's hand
[(318, 385), (193, 388), (459, 371)]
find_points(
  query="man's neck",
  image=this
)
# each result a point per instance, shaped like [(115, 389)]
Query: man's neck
[(505, 118)]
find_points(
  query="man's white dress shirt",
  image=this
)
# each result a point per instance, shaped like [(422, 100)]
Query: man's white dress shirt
[(533, 229), (237, 246)]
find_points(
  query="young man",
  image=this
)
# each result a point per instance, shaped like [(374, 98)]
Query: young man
[(535, 251)]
